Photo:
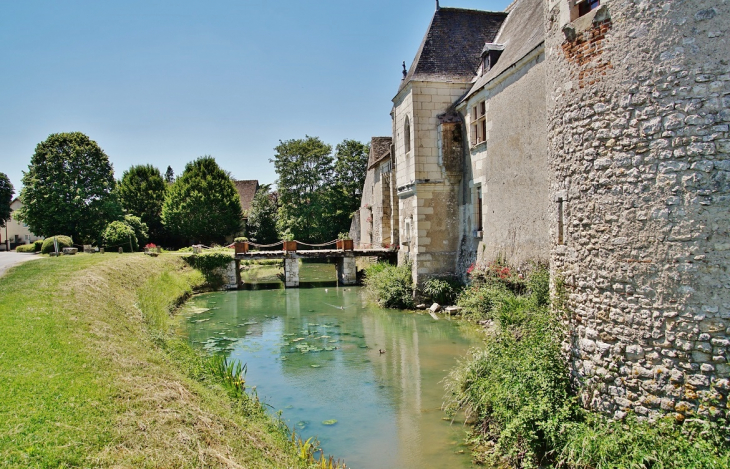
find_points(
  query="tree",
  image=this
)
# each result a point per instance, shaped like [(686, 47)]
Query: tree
[(262, 217), (142, 193), (351, 164), (141, 231), (202, 204), (169, 175), (69, 188), (6, 197), (304, 167)]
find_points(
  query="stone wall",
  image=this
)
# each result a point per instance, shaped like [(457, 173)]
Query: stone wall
[(637, 97)]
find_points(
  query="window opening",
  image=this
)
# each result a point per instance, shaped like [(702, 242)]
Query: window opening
[(407, 135), (561, 239), (582, 7), (479, 123), (480, 225)]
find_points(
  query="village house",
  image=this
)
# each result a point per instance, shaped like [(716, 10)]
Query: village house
[(15, 233), (592, 135)]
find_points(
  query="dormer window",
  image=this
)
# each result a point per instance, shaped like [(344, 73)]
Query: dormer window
[(490, 55), (582, 7)]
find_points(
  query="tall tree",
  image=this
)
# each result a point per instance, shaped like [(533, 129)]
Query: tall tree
[(202, 204), (262, 217), (304, 167), (142, 193), (169, 175), (351, 164), (6, 197), (69, 188)]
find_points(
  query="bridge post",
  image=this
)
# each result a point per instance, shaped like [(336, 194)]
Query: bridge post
[(291, 272), (346, 271)]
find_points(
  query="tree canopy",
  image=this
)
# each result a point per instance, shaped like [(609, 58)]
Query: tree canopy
[(6, 197), (261, 226), (142, 193), (317, 190), (69, 188), (202, 204), (169, 175)]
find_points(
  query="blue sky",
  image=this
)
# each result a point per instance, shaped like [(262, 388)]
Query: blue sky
[(164, 82)]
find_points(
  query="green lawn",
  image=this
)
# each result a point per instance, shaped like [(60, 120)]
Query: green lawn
[(90, 377)]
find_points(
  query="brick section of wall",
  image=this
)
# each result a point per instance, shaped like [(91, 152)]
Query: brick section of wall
[(640, 158)]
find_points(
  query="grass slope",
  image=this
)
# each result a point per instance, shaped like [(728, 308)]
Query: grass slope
[(89, 376)]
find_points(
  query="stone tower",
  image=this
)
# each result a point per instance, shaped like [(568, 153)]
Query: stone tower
[(638, 145)]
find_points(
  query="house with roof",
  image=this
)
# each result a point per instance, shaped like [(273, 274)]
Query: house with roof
[(467, 164), (15, 233), (593, 134), (246, 192)]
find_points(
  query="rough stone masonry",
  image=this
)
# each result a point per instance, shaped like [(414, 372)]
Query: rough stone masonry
[(639, 149)]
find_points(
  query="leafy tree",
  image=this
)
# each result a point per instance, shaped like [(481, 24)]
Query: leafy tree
[(169, 175), (142, 193), (6, 197), (118, 234), (262, 217), (141, 232), (202, 204), (351, 163), (69, 188), (305, 170)]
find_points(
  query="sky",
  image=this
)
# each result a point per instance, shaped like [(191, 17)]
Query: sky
[(164, 82)]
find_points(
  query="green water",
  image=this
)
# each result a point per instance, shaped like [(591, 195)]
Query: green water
[(314, 354)]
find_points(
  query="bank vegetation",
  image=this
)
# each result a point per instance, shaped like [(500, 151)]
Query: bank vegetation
[(516, 389), (92, 374)]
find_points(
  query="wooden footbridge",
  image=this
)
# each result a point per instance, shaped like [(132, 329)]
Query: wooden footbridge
[(291, 252)]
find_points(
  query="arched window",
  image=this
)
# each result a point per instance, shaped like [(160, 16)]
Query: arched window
[(407, 135)]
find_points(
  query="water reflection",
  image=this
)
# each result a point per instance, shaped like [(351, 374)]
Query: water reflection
[(315, 355)]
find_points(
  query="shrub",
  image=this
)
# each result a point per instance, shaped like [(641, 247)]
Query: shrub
[(119, 234), (390, 286), (517, 387), (479, 300), (63, 242), (208, 263), (25, 248), (442, 291), (240, 239), (538, 284), (140, 229), (602, 443)]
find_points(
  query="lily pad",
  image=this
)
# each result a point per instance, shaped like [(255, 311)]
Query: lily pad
[(329, 422)]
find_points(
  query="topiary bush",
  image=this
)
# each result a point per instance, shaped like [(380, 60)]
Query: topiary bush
[(25, 248), (63, 242), (118, 234), (390, 286)]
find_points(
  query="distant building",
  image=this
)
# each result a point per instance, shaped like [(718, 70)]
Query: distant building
[(15, 233), (246, 192)]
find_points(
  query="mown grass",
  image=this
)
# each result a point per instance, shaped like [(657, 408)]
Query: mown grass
[(91, 377)]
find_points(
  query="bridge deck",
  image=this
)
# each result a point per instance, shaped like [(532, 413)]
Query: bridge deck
[(316, 254)]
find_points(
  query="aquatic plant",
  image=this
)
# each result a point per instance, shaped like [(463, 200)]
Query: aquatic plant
[(231, 374), (307, 452)]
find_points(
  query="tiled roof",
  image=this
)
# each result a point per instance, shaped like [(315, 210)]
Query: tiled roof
[(246, 192), (521, 32), (379, 150), (450, 50)]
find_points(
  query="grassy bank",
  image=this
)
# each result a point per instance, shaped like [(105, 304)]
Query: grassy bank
[(89, 376)]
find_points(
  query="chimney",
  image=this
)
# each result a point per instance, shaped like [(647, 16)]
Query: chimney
[(437, 5)]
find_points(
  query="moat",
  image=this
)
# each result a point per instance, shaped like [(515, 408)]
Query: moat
[(366, 382)]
